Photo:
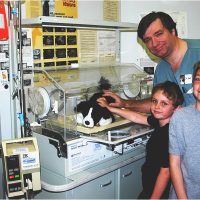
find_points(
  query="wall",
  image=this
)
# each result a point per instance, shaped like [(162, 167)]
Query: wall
[(92, 9), (131, 10)]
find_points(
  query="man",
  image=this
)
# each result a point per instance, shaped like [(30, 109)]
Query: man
[(177, 58)]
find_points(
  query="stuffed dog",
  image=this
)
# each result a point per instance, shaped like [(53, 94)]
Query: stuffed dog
[(90, 113)]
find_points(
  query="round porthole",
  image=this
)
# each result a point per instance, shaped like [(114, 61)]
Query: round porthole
[(131, 90), (39, 101)]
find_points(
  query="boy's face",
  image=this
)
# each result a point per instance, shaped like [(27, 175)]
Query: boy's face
[(162, 108), (196, 86)]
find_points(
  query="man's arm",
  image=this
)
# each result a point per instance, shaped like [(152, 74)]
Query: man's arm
[(142, 105), (161, 183), (176, 176)]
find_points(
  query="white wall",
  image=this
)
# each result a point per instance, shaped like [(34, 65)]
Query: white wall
[(131, 10), (90, 9)]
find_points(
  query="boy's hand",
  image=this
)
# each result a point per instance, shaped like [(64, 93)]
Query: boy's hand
[(102, 102)]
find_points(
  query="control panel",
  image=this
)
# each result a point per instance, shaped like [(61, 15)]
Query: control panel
[(21, 166)]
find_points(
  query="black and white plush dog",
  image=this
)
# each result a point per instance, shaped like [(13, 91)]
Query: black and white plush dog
[(90, 113)]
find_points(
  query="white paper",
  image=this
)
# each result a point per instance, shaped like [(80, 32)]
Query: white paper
[(2, 25), (107, 46), (29, 160), (88, 46)]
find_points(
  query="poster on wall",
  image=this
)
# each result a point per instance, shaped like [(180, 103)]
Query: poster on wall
[(180, 18), (111, 10), (27, 53), (88, 46), (54, 46), (33, 8), (66, 8), (53, 8), (107, 46), (97, 47)]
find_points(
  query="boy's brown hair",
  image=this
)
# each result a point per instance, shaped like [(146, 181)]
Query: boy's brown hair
[(171, 91)]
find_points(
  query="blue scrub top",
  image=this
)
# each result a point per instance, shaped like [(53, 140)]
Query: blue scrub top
[(183, 76)]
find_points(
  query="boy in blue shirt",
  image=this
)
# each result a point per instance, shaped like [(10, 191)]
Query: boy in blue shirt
[(184, 147)]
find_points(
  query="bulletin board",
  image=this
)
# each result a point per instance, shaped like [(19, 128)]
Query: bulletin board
[(54, 46)]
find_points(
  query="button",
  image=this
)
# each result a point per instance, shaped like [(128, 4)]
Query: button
[(17, 176), (11, 177)]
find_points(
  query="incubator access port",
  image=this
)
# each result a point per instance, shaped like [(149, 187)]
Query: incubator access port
[(116, 135)]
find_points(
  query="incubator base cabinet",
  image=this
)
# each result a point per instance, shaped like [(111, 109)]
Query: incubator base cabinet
[(124, 183), (114, 177)]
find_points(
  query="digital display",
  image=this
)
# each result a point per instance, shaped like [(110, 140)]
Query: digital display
[(15, 187), (13, 169)]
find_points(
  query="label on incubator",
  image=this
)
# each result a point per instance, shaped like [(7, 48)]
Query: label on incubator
[(20, 150), (29, 161), (83, 154)]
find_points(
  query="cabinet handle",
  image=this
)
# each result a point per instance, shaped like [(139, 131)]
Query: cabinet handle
[(128, 174), (106, 184)]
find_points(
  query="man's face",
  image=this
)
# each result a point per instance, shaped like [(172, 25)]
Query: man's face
[(159, 40)]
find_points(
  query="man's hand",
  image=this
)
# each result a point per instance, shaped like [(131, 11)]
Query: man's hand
[(119, 102)]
